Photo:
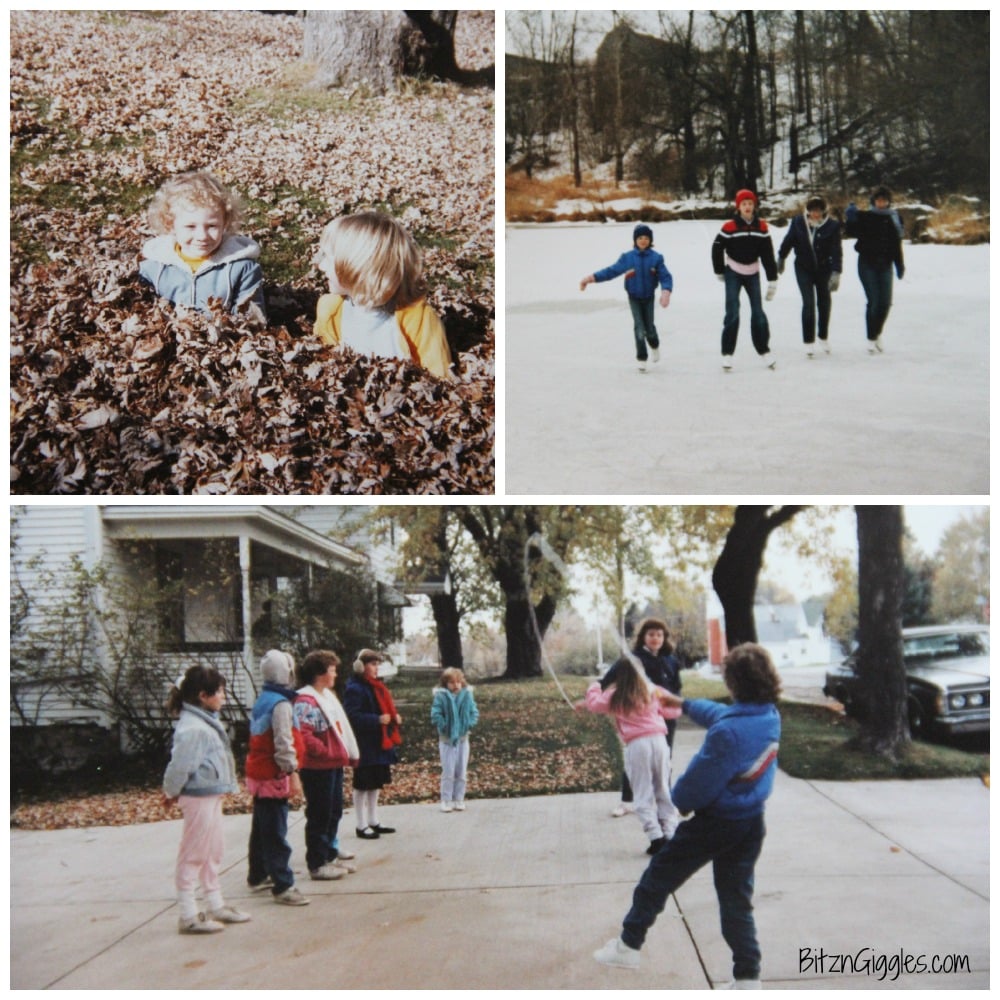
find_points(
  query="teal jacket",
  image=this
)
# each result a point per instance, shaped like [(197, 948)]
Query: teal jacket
[(732, 774), (453, 715)]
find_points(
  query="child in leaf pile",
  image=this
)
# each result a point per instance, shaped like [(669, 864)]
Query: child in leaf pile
[(376, 305), (197, 255)]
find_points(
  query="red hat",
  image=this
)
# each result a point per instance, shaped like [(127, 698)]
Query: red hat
[(743, 195)]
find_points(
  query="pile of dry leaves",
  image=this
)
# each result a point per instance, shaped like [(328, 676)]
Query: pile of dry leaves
[(115, 392)]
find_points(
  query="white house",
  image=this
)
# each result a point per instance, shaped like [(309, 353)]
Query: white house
[(784, 630), (225, 562)]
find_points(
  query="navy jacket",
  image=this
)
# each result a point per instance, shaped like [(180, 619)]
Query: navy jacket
[(879, 241), (644, 270), (664, 671), (363, 714), (823, 253)]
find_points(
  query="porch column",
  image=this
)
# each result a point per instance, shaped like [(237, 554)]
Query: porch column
[(247, 609)]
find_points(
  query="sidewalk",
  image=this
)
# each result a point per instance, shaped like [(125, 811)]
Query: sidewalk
[(517, 893)]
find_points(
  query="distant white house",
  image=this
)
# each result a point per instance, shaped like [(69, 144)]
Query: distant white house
[(784, 630), (229, 560)]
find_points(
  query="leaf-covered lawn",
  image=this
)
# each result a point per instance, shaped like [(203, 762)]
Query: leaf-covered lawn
[(114, 393), (528, 742)]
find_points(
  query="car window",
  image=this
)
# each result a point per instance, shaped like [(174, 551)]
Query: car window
[(947, 644)]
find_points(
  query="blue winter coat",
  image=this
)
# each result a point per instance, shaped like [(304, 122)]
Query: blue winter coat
[(453, 715), (644, 270), (732, 774), (363, 714), (231, 274), (817, 251)]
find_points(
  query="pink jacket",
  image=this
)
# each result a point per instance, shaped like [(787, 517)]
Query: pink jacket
[(647, 721)]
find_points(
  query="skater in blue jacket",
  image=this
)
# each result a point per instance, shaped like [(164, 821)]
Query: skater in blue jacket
[(725, 786), (644, 269)]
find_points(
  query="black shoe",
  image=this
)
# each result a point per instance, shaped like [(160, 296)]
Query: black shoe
[(379, 828), (367, 833), (655, 845)]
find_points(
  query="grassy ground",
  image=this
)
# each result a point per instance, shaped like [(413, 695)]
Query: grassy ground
[(528, 742)]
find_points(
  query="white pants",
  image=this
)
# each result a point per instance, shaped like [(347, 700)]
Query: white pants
[(454, 768), (647, 764), (199, 858)]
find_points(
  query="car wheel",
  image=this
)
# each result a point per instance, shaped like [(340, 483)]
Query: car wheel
[(918, 721)]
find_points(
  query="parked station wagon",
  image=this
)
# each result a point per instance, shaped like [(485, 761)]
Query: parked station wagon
[(947, 676)]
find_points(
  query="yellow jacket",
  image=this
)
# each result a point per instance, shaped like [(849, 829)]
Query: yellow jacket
[(420, 329)]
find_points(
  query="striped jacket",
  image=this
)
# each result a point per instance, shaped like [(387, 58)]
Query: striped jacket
[(745, 243), (732, 774)]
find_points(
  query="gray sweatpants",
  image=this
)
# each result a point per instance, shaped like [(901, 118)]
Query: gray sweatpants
[(647, 764)]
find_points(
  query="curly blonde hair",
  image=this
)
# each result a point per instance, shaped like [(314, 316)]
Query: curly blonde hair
[(375, 260), (198, 189)]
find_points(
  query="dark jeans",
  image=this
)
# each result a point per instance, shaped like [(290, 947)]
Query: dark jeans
[(733, 847), (626, 784), (643, 328), (815, 289), (269, 851), (322, 813), (877, 283), (760, 332)]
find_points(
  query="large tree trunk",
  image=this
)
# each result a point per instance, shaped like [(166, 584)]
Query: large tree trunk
[(524, 651), (446, 619), (378, 47), (734, 577), (881, 705)]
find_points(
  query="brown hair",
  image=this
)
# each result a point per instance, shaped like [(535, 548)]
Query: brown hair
[(750, 675), (652, 623), (315, 663), (197, 680), (630, 689), (196, 188), (375, 260)]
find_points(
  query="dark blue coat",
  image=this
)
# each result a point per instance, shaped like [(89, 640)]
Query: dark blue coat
[(664, 671), (363, 714), (822, 254)]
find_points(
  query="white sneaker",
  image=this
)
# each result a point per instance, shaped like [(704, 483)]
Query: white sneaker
[(345, 866), (769, 360), (291, 897), (875, 346), (622, 809), (745, 984), (199, 924), (326, 874), (618, 954), (228, 915), (826, 347), (642, 366), (727, 362), (459, 807), (345, 855), (446, 807), (654, 353), (809, 352)]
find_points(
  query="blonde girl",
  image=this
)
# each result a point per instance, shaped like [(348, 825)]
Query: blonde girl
[(639, 713), (453, 713), (197, 255), (376, 304), (200, 772)]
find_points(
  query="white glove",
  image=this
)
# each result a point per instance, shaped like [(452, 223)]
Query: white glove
[(772, 287), (834, 281)]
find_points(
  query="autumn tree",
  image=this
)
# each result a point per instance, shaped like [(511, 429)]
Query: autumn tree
[(532, 583), (881, 698), (962, 570)]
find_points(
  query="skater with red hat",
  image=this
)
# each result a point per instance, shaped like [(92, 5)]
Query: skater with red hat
[(742, 246)]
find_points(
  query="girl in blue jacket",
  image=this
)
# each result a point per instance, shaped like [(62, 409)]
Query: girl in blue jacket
[(197, 255), (815, 237), (725, 786), (644, 269), (453, 713)]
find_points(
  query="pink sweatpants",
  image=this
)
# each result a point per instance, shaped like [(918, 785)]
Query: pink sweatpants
[(200, 854)]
